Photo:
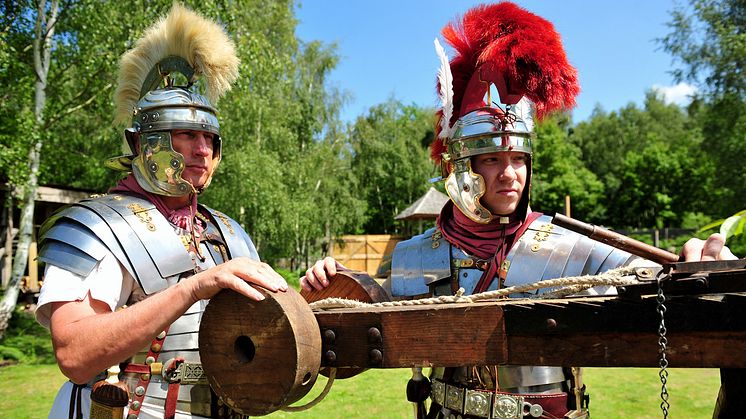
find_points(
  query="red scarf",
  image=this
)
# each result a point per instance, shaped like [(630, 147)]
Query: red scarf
[(491, 241), (183, 217)]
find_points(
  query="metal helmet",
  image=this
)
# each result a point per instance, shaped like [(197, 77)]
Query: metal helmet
[(180, 47), (504, 48)]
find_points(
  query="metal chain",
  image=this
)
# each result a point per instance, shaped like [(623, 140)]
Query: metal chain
[(662, 343)]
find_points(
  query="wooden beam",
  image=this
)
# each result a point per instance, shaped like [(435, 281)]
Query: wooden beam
[(591, 332)]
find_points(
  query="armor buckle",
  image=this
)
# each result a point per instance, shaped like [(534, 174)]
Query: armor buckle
[(438, 392), (477, 403), (454, 398), (507, 406), (184, 372)]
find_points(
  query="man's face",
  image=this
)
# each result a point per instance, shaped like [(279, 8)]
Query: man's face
[(504, 176), (196, 147)]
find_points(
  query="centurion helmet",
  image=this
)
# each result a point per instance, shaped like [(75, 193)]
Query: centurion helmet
[(156, 94), (504, 48)]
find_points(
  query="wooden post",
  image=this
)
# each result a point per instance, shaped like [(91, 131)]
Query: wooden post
[(567, 206), (9, 237), (32, 283)]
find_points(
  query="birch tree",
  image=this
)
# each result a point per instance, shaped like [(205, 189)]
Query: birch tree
[(46, 18)]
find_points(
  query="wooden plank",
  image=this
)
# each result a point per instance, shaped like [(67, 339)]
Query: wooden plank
[(413, 335), (701, 333), (32, 284)]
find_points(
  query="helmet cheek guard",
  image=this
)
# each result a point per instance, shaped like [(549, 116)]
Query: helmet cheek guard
[(465, 187), (158, 168)]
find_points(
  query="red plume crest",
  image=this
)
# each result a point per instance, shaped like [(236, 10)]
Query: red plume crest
[(518, 51)]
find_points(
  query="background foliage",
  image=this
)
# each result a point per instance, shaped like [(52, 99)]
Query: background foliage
[(296, 176)]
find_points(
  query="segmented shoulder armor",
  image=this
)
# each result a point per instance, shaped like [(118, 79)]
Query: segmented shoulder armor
[(420, 265)]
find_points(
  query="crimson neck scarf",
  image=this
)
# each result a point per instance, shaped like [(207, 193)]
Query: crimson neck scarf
[(183, 217), (476, 239), (490, 242)]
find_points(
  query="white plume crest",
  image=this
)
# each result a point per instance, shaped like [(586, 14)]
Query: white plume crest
[(524, 111), (445, 92)]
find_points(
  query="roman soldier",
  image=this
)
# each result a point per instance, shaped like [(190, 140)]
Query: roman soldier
[(509, 66), (128, 274)]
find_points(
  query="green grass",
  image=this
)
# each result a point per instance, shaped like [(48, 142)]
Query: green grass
[(28, 392), (635, 392)]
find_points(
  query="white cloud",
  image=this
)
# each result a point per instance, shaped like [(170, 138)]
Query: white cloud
[(680, 94)]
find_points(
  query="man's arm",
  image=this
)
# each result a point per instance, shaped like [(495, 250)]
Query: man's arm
[(88, 337)]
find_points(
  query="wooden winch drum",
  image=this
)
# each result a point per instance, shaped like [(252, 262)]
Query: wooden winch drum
[(260, 356)]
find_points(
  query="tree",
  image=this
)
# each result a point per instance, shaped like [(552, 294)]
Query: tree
[(391, 156), (709, 44), (558, 171), (650, 161), (46, 19)]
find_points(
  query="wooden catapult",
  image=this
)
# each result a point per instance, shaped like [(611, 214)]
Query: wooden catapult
[(263, 356)]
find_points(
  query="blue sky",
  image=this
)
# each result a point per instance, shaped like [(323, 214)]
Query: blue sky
[(386, 47)]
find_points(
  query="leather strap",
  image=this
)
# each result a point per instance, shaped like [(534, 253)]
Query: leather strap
[(75, 411), (171, 397), (144, 371)]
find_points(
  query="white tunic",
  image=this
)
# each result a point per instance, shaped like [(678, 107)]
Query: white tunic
[(110, 283)]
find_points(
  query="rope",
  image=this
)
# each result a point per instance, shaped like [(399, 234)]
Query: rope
[(568, 285), (318, 399)]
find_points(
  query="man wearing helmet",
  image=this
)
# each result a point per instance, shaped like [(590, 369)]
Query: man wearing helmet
[(509, 65), (129, 274)]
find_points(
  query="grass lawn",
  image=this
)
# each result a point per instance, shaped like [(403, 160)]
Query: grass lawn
[(28, 392)]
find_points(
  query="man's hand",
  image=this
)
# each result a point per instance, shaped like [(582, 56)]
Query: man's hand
[(241, 275), (317, 276), (713, 248)]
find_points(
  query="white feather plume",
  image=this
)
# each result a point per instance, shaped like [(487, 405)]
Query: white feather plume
[(524, 111), (445, 80), (184, 33)]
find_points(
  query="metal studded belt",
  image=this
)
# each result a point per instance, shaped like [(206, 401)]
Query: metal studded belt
[(489, 404)]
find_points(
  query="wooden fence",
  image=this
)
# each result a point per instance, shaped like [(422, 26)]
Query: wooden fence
[(364, 252)]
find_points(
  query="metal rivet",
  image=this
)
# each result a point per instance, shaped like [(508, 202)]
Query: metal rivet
[(375, 356), (149, 360), (140, 390), (329, 336), (145, 377), (135, 405), (466, 188), (465, 274), (535, 247), (435, 245), (645, 273), (330, 357), (374, 335), (156, 347), (161, 335), (551, 323), (536, 410)]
